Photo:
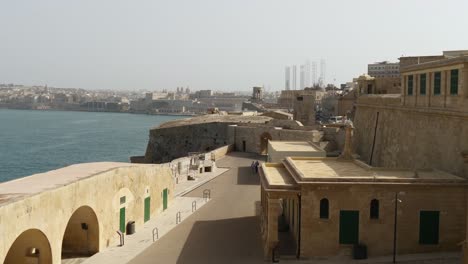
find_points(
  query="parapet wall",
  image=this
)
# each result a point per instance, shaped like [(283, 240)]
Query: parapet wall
[(410, 137)]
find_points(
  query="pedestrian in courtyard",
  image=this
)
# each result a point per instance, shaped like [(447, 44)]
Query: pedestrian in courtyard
[(252, 166), (256, 166)]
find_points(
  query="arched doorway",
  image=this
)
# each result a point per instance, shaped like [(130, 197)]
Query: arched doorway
[(81, 237), (264, 142), (32, 246)]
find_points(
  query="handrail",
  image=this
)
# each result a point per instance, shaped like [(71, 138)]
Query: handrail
[(155, 233), (207, 194), (178, 218), (194, 206)]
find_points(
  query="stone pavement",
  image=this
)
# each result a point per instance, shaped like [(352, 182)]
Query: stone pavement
[(427, 258), (187, 186), (226, 230), (143, 237), (164, 221)]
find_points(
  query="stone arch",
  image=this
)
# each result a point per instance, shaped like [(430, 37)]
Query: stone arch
[(264, 137), (31, 246), (81, 236)]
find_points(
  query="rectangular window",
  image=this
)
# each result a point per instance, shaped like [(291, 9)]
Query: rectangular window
[(122, 199), (410, 85), (429, 227), (437, 82), (422, 84), (454, 82)]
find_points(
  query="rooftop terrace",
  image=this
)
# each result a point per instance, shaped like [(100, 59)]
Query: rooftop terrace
[(300, 170)]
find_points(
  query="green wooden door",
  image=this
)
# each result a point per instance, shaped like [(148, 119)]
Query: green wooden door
[(147, 208), (122, 219), (429, 227), (165, 199), (349, 227)]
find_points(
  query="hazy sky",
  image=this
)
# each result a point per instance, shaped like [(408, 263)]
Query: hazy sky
[(214, 44)]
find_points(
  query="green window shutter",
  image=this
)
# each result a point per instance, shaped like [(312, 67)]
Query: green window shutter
[(454, 82), (410, 85), (429, 227), (437, 83), (422, 84)]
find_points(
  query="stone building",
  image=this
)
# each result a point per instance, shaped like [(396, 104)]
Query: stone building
[(288, 97), (441, 84), (76, 210), (257, 94), (378, 85), (384, 69), (304, 109), (279, 150), (320, 207), (423, 127)]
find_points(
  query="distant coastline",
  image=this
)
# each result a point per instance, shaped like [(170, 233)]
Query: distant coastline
[(90, 111)]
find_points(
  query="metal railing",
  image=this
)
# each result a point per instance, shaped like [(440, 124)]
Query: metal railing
[(155, 233), (194, 206), (178, 218), (207, 194)]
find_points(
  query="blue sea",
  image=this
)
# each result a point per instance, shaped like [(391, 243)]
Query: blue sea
[(38, 141)]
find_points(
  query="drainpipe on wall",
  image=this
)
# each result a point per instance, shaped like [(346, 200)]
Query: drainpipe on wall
[(298, 254), (347, 153), (464, 243)]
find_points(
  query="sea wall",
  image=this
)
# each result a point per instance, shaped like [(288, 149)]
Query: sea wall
[(168, 143)]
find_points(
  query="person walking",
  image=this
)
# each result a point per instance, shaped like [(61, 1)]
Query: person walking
[(252, 166), (256, 166)]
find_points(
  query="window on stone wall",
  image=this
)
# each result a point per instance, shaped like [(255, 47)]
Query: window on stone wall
[(374, 209), (437, 82), (324, 208), (422, 84), (454, 82), (410, 85)]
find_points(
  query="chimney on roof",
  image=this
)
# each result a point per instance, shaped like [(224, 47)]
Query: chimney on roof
[(347, 153)]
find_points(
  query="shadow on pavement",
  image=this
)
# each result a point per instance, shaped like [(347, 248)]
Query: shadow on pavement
[(233, 240), (245, 176)]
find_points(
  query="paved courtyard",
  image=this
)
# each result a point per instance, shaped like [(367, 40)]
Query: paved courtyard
[(226, 230)]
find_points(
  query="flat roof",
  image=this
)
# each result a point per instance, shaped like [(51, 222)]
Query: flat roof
[(297, 146), (435, 64), (337, 170), (214, 118), (37, 183), (277, 176)]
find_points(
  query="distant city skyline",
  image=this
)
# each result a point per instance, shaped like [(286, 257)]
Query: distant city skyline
[(212, 44)]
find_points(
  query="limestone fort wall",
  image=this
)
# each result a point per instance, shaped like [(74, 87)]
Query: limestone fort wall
[(410, 137)]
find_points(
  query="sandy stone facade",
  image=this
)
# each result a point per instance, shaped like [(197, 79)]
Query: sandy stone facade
[(77, 210), (326, 206)]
